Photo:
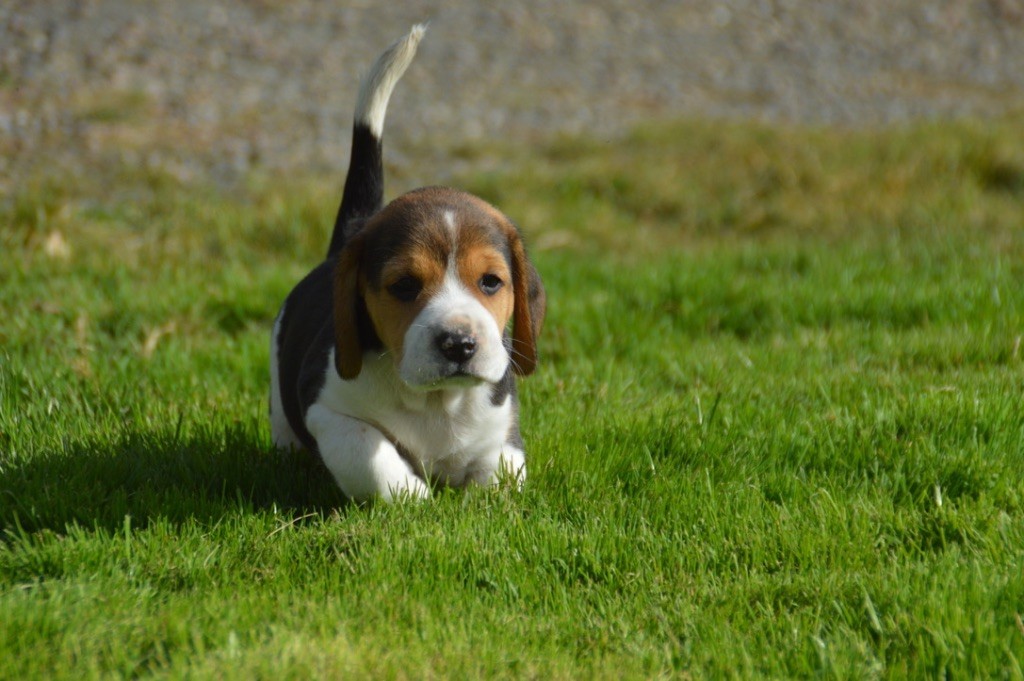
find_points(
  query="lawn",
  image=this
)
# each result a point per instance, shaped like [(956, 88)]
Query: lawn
[(777, 430)]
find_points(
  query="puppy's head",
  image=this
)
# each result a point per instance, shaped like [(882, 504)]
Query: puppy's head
[(438, 274)]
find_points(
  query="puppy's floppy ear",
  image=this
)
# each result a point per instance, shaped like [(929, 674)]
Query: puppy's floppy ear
[(348, 348), (528, 309)]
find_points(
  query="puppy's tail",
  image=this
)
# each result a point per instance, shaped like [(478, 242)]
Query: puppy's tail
[(364, 186)]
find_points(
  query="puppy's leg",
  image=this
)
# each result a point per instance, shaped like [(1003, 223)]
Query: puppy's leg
[(508, 462), (280, 430), (363, 462)]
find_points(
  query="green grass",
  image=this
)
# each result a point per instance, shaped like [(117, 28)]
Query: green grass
[(778, 428)]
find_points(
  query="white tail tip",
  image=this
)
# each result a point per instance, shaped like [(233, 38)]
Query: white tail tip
[(376, 88)]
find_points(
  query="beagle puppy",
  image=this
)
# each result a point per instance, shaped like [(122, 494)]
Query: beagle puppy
[(392, 360)]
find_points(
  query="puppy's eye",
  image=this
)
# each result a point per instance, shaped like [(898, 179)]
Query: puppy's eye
[(490, 284), (406, 289)]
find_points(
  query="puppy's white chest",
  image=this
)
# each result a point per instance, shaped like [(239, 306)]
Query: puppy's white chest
[(454, 433), (448, 434)]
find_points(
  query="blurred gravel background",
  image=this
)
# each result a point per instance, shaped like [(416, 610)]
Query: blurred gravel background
[(203, 89)]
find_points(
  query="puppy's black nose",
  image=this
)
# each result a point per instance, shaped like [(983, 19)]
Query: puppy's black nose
[(456, 345)]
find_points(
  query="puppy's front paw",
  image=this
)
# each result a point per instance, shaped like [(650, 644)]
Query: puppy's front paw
[(410, 488), (364, 463), (509, 466)]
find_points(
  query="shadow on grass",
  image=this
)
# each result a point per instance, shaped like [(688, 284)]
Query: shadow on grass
[(201, 476)]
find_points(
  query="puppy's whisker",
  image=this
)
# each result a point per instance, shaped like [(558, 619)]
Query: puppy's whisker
[(513, 362), (513, 353)]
